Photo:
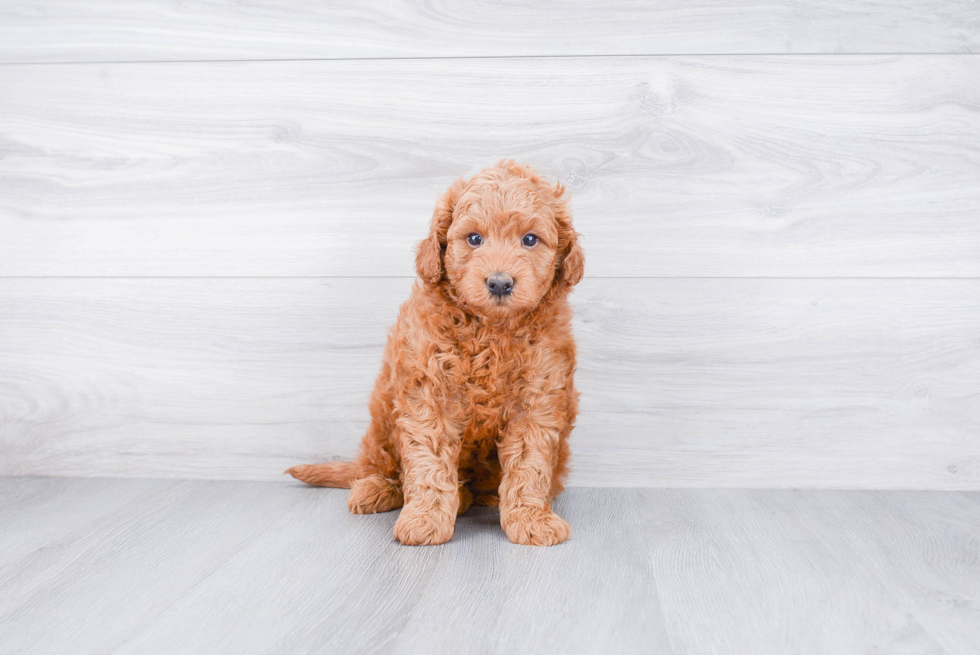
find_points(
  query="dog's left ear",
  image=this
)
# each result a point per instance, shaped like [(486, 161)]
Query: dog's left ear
[(572, 267), (571, 258), (428, 255)]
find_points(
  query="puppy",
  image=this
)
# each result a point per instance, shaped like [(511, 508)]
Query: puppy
[(475, 401)]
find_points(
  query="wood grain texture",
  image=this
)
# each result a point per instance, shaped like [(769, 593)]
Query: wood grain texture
[(748, 383), (115, 30), (240, 567), (794, 571), (700, 166)]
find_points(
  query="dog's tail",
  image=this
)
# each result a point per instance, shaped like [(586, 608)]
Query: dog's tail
[(329, 474)]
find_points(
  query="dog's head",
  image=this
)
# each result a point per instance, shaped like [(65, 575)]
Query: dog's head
[(501, 242)]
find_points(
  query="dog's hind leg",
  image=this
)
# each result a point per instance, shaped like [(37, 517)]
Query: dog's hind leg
[(374, 477), (373, 494), (379, 487)]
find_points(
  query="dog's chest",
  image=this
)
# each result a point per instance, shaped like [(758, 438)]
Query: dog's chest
[(491, 369)]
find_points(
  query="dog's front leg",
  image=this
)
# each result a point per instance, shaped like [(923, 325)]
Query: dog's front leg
[(528, 451), (430, 446)]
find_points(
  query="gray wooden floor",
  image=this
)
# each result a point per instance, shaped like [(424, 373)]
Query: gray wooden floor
[(100, 565)]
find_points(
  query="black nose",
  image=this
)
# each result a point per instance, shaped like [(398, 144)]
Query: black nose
[(500, 284)]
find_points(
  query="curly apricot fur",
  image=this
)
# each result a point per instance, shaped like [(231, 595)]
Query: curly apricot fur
[(475, 400)]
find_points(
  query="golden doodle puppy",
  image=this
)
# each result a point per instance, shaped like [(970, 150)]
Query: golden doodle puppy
[(475, 401)]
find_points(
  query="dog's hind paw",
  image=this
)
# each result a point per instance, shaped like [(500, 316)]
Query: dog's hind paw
[(374, 494)]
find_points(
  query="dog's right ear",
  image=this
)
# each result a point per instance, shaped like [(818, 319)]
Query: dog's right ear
[(428, 255)]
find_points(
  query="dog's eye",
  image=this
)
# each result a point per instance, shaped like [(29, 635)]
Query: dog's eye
[(530, 240), (474, 240)]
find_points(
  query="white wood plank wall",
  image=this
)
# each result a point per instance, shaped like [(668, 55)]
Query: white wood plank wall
[(207, 215)]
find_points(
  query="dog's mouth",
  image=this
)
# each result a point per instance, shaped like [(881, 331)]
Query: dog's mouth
[(497, 305)]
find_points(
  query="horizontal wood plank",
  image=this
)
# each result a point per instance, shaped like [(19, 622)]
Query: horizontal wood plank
[(714, 166), (117, 30), (812, 383)]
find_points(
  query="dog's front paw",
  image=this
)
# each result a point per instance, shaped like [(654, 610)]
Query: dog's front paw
[(535, 527), (418, 527)]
